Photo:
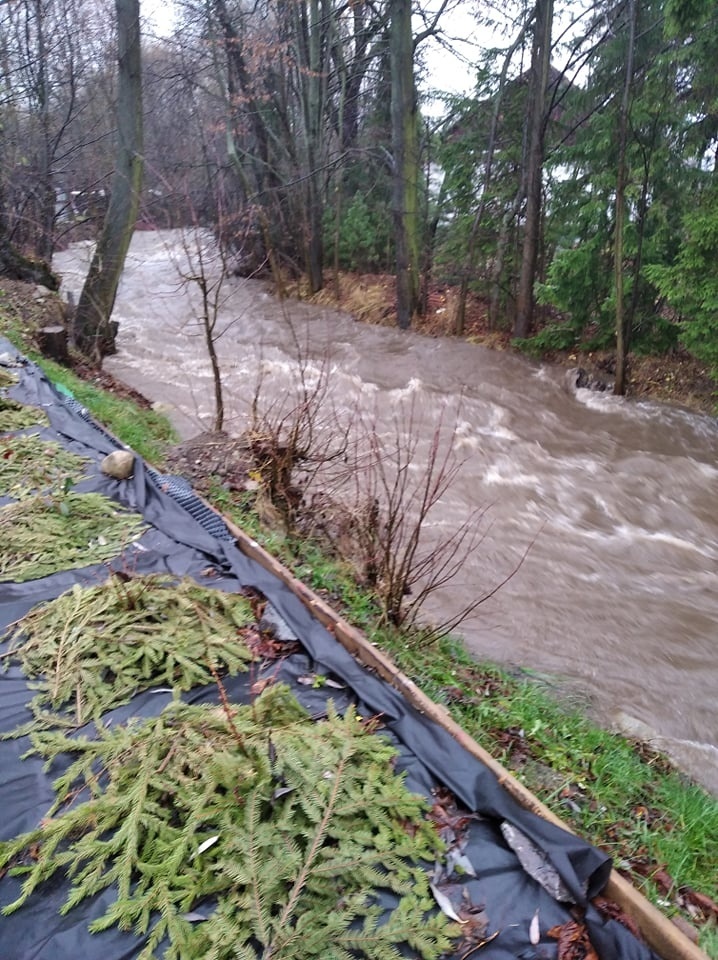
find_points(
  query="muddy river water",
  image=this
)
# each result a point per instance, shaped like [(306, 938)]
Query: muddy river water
[(618, 596)]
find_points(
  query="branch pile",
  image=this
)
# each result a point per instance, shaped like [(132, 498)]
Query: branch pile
[(92, 649), (29, 464), (46, 533), (240, 832)]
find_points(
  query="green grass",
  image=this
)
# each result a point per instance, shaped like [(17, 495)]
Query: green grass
[(147, 432), (619, 795)]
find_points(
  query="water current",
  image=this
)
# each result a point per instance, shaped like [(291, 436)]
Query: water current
[(618, 596)]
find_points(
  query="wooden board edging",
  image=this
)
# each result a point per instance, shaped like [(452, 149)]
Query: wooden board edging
[(657, 930)]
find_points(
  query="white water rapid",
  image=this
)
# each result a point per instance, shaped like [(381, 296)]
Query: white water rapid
[(618, 596)]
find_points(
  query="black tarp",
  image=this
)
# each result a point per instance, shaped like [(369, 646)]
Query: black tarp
[(177, 543)]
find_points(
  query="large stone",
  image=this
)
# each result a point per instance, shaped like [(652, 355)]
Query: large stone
[(118, 464)]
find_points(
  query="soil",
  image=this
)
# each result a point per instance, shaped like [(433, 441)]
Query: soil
[(217, 456)]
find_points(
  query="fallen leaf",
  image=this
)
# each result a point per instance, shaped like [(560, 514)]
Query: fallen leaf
[(535, 929), (264, 646), (609, 909), (705, 906), (206, 844), (457, 862), (573, 942), (445, 904), (535, 862)]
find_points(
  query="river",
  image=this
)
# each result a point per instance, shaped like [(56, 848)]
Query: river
[(618, 595)]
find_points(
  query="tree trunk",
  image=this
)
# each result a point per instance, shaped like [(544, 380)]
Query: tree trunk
[(405, 142), (536, 101), (93, 333), (460, 314), (46, 194), (622, 333)]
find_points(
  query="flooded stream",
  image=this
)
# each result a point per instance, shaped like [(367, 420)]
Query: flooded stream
[(618, 596)]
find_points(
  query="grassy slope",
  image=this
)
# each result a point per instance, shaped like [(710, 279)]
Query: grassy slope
[(659, 828)]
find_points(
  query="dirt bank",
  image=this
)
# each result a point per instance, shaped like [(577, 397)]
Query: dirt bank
[(673, 378)]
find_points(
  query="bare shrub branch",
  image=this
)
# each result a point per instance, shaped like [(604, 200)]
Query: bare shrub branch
[(398, 490), (295, 431)]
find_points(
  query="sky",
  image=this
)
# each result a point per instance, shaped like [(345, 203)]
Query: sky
[(450, 64)]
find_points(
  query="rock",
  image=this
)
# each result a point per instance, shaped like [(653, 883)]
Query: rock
[(632, 727), (119, 464), (584, 381)]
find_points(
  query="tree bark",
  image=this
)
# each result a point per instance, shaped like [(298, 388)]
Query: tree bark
[(94, 335), (405, 143), (52, 342), (622, 333), (540, 64)]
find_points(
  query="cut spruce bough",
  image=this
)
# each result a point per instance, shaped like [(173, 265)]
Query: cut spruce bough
[(61, 531), (30, 464), (284, 831), (7, 379), (19, 416), (93, 648)]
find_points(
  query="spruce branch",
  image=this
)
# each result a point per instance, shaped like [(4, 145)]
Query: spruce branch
[(92, 649), (183, 810)]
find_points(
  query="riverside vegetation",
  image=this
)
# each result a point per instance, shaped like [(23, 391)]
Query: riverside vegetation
[(660, 829)]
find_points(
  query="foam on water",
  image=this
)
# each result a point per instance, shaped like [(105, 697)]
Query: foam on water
[(618, 592)]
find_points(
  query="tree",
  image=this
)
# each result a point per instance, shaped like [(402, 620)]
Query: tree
[(536, 121), (689, 283), (54, 126), (622, 331), (638, 148), (93, 332), (293, 75), (405, 149)]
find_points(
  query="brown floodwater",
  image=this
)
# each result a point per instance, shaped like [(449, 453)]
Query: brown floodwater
[(618, 596)]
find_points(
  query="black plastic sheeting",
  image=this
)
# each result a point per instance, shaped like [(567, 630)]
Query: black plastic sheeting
[(178, 543)]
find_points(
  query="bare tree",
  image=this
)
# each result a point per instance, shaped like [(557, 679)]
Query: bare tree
[(93, 333), (400, 480), (207, 269), (296, 436)]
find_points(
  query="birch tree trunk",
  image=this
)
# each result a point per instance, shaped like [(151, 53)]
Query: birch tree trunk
[(93, 334)]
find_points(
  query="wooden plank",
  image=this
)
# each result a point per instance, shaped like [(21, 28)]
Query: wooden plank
[(658, 931)]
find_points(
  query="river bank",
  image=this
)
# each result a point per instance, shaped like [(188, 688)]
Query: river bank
[(675, 377), (615, 595), (661, 830)]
